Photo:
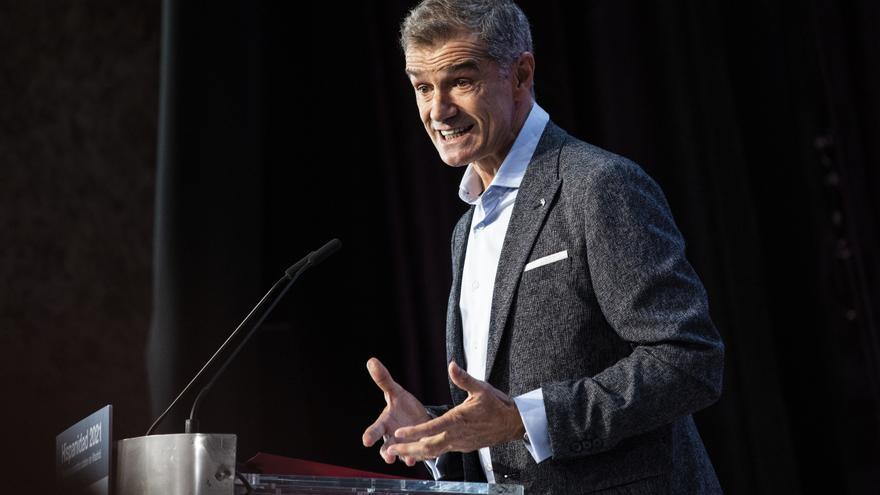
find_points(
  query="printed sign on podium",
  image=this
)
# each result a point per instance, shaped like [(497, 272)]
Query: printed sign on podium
[(83, 453)]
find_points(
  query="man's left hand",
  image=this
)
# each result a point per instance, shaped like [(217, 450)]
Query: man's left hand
[(487, 417)]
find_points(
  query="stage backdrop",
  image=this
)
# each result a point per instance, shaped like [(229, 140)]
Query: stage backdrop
[(287, 125)]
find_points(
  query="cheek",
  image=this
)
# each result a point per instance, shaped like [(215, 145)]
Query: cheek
[(424, 109), (495, 128)]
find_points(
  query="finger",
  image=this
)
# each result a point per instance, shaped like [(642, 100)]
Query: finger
[(426, 429), (380, 375), (462, 379), (426, 448), (373, 433), (386, 456)]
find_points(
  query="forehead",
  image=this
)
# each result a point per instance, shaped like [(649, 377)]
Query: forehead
[(453, 54)]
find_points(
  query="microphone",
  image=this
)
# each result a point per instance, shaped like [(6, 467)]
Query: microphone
[(314, 258), (272, 296)]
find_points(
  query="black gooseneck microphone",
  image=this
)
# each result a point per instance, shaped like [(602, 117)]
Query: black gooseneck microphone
[(272, 296)]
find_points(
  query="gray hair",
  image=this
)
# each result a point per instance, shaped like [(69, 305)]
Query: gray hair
[(500, 24)]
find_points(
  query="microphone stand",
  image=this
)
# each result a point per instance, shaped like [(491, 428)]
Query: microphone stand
[(285, 282), (192, 424)]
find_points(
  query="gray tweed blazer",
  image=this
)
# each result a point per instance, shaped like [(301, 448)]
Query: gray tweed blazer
[(618, 334)]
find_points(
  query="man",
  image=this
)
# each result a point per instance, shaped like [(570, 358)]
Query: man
[(584, 331)]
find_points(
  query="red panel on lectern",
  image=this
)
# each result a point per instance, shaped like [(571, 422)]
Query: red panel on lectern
[(276, 464)]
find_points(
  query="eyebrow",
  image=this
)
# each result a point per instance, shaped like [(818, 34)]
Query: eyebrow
[(458, 67)]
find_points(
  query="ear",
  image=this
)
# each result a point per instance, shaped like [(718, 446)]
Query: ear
[(524, 74)]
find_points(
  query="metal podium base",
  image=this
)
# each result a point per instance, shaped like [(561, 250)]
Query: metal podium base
[(180, 464)]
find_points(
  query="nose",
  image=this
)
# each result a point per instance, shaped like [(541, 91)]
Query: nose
[(442, 107)]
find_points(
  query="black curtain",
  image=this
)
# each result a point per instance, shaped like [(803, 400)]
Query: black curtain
[(284, 125)]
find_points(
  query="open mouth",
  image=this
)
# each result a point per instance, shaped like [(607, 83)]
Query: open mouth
[(453, 134)]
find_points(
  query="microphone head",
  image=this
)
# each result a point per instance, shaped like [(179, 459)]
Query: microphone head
[(325, 251), (314, 258)]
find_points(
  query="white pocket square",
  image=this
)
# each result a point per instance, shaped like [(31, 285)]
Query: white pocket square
[(546, 260)]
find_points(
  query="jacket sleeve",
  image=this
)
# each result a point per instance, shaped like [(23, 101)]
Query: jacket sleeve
[(449, 466), (653, 299)]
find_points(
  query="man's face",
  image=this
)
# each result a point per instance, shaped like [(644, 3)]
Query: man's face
[(466, 103)]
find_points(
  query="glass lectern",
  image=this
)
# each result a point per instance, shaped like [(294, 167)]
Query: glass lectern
[(262, 484)]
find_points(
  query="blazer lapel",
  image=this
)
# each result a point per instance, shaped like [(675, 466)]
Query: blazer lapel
[(454, 338), (536, 194)]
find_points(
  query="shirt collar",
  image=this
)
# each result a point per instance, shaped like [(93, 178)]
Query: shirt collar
[(513, 168)]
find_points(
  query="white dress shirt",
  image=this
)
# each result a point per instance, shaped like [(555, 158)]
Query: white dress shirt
[(492, 209)]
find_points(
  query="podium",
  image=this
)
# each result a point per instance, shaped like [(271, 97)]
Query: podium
[(204, 464)]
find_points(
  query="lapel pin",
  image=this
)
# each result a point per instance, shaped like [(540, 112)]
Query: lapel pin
[(541, 202)]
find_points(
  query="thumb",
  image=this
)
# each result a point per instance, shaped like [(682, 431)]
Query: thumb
[(380, 375), (462, 379)]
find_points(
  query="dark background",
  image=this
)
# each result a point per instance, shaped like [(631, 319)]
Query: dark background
[(162, 165)]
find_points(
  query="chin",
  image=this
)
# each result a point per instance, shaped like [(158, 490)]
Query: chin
[(454, 160), (454, 163)]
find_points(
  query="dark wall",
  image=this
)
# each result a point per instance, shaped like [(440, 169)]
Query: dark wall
[(78, 104)]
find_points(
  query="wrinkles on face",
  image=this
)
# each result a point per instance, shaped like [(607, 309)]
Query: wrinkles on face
[(465, 102), (452, 56)]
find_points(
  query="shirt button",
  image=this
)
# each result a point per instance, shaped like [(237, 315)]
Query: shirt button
[(476, 285)]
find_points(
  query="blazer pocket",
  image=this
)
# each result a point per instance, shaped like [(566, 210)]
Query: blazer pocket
[(546, 260)]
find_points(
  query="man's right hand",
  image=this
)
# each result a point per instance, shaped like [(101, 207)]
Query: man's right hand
[(401, 409)]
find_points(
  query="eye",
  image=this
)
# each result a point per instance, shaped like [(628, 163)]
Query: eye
[(423, 89), (463, 83)]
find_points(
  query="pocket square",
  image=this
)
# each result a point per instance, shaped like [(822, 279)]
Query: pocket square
[(546, 260)]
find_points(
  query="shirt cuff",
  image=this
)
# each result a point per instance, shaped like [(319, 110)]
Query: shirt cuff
[(432, 466), (534, 418)]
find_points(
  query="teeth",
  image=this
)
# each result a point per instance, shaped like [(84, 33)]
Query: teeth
[(453, 132)]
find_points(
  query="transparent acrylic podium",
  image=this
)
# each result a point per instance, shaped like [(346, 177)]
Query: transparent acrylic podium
[(263, 484)]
